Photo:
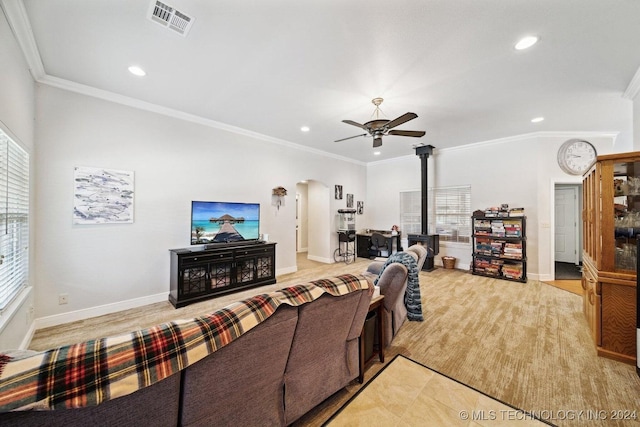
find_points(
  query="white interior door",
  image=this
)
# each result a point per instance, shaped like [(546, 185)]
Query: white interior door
[(566, 235)]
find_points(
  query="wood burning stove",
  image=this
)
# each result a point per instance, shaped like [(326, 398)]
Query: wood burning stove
[(430, 241)]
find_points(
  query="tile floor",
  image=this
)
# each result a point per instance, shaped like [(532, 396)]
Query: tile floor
[(406, 393)]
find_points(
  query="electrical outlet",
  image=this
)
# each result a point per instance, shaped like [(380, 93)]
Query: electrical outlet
[(63, 299)]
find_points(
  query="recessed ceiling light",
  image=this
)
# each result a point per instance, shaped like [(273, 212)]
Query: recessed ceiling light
[(305, 129), (137, 71), (376, 153), (526, 42), (537, 120)]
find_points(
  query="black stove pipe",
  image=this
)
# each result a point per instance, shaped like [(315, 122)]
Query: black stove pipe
[(432, 242), (424, 152)]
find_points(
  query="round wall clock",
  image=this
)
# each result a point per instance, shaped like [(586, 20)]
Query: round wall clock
[(576, 156)]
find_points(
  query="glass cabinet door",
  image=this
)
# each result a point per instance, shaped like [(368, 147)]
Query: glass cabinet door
[(626, 210)]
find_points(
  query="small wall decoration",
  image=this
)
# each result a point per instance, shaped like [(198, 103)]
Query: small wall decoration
[(349, 200), (277, 196), (102, 196), (360, 208), (338, 192)]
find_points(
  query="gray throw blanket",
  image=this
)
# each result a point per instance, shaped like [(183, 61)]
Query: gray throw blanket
[(412, 293)]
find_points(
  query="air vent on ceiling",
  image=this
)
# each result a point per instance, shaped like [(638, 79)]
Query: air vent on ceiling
[(169, 17)]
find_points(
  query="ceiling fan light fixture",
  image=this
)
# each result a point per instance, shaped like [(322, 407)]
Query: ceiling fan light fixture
[(526, 42), (377, 128), (377, 110)]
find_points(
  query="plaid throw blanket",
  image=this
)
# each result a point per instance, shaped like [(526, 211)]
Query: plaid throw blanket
[(92, 372), (412, 293)]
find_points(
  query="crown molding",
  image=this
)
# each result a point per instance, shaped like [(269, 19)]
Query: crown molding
[(170, 112), (510, 139), (633, 88), (19, 22), (540, 134)]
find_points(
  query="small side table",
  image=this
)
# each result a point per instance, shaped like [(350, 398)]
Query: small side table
[(375, 305)]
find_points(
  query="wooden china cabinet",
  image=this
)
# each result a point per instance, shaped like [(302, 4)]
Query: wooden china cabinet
[(611, 227)]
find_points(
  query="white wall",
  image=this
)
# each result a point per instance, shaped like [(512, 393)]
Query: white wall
[(16, 119), (549, 174), (636, 123), (520, 171), (174, 161), (302, 192), (320, 227)]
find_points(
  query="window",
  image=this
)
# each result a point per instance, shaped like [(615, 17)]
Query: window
[(449, 213), (14, 219), (410, 212), (452, 213)]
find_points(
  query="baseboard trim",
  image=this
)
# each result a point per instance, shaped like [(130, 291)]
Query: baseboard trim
[(86, 313), (26, 341), (320, 259), (287, 270)]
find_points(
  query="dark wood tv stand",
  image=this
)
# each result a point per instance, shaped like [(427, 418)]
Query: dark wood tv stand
[(199, 274)]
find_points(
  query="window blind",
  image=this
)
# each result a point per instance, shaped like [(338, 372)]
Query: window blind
[(410, 212), (14, 219), (452, 212), (449, 212)]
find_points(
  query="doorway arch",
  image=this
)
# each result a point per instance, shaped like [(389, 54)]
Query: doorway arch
[(313, 220)]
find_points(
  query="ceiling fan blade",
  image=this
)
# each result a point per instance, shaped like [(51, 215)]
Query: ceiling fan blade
[(377, 142), (351, 122), (356, 136), (414, 133), (400, 120)]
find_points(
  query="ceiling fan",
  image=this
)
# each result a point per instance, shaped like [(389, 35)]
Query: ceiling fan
[(377, 128)]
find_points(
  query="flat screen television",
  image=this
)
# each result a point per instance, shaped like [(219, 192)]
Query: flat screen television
[(221, 222)]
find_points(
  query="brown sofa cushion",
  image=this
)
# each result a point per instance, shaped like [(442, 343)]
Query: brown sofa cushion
[(393, 284), (151, 406), (251, 370), (324, 353)]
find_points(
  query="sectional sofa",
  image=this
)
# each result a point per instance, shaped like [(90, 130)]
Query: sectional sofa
[(264, 361)]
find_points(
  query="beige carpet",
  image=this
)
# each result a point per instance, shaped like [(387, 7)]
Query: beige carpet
[(407, 393), (526, 344)]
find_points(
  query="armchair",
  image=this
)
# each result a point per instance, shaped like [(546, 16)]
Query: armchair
[(393, 284), (419, 252)]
